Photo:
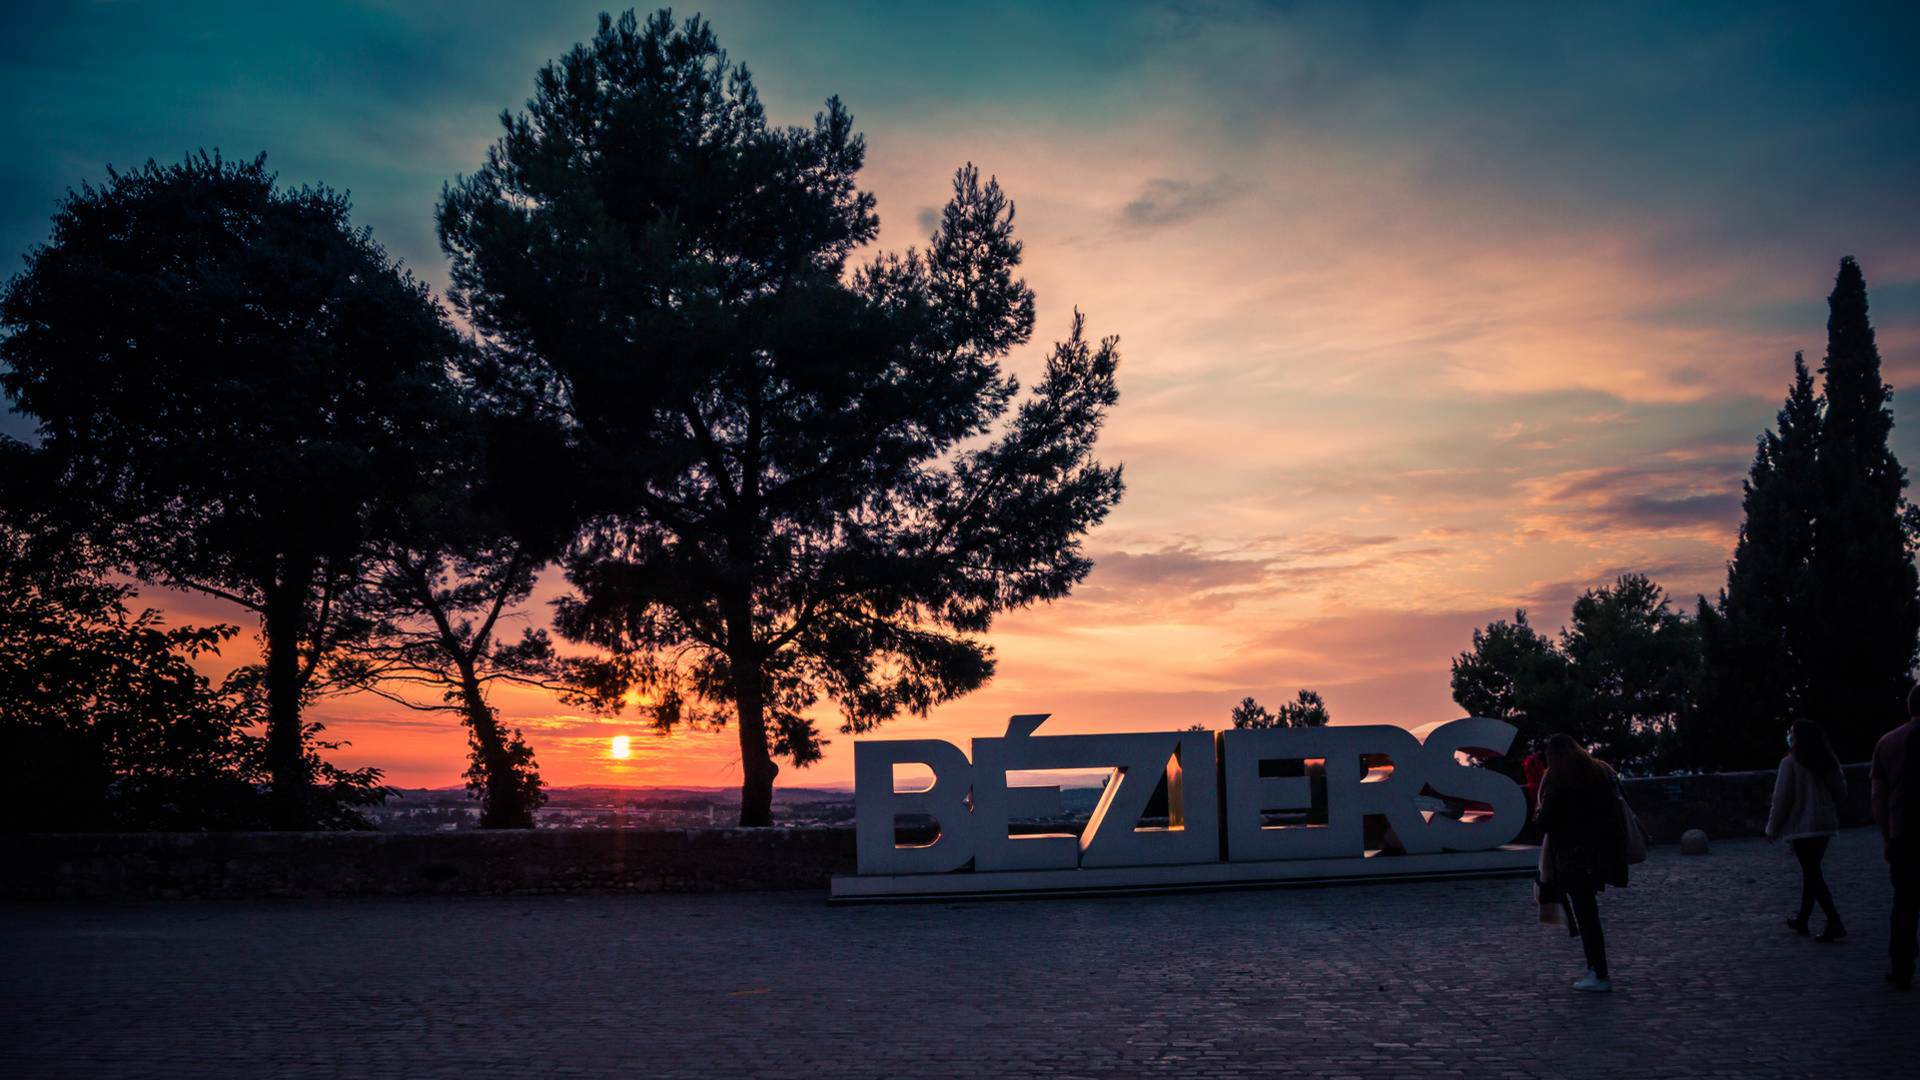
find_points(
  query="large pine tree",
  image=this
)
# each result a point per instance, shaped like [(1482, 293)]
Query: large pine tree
[(1866, 598), (232, 386), (809, 481), (1755, 675)]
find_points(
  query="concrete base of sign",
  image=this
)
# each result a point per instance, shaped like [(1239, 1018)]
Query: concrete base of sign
[(1508, 861)]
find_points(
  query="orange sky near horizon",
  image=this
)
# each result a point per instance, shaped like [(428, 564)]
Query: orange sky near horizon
[(1423, 318)]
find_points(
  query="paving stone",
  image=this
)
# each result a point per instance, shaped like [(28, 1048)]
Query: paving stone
[(1433, 980)]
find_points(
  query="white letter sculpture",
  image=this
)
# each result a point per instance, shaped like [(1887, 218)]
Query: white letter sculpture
[(1113, 837), (1475, 737), (979, 830), (877, 807)]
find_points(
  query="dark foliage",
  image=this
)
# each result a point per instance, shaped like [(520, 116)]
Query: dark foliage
[(811, 482), (1866, 598), (228, 380), (1307, 709), (455, 562), (1756, 639), (1821, 612), (1632, 661), (106, 725), (1618, 680), (1514, 673)]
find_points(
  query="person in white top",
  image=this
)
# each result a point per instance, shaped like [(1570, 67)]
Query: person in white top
[(1806, 814)]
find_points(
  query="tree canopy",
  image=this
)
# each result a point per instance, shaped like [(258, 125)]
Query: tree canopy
[(1820, 616), (228, 379), (1866, 596), (1632, 660), (1756, 639), (813, 481), (106, 723), (1514, 673), (444, 581), (1307, 709), (1618, 679)]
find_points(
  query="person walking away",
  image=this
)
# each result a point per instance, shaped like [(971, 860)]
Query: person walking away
[(1806, 814), (1896, 810), (1580, 813)]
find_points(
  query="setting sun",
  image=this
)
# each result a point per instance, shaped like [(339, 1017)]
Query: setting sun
[(622, 747)]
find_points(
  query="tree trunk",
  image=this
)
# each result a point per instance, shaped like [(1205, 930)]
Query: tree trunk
[(285, 617), (757, 766), (504, 806)]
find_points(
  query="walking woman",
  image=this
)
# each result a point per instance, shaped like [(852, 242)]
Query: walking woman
[(1806, 814), (1580, 813)]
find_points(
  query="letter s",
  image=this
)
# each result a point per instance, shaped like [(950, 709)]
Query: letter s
[(1447, 776)]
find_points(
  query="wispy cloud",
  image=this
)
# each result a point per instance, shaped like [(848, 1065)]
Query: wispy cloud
[(1682, 498), (1163, 201)]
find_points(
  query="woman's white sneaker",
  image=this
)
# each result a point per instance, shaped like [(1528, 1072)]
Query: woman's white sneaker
[(1593, 984)]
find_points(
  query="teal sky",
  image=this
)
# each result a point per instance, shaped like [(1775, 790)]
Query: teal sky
[(1428, 310)]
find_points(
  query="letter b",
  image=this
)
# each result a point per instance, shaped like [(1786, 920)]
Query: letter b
[(877, 807)]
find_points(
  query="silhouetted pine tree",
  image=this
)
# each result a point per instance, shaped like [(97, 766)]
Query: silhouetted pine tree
[(1865, 594), (232, 386), (809, 481), (1632, 662), (1618, 680), (1517, 674), (1307, 709), (1755, 638)]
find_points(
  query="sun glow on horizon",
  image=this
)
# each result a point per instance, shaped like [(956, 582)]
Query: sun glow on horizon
[(622, 748)]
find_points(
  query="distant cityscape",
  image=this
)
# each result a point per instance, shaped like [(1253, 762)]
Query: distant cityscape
[(452, 808), (448, 809)]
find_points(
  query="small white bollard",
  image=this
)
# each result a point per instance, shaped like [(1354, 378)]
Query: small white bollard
[(1693, 842)]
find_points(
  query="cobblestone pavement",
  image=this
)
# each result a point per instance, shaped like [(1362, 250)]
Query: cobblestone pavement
[(1424, 980)]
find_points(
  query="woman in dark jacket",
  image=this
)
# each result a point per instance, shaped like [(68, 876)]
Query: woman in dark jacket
[(1586, 843)]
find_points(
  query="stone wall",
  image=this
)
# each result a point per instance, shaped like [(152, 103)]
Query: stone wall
[(102, 866), (114, 866), (1725, 804)]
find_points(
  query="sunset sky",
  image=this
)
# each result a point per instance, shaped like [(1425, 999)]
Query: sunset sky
[(1427, 312)]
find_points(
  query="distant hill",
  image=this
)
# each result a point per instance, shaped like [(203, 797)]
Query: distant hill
[(604, 806), (614, 794)]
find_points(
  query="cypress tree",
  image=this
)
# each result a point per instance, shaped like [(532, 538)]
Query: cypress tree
[(1866, 597), (1754, 676)]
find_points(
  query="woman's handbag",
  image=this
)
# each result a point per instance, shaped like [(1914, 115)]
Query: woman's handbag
[(1630, 823), (1545, 894)]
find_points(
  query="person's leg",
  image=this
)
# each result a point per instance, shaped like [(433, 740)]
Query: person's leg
[(1803, 851), (1586, 909), (1817, 880), (1906, 910)]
